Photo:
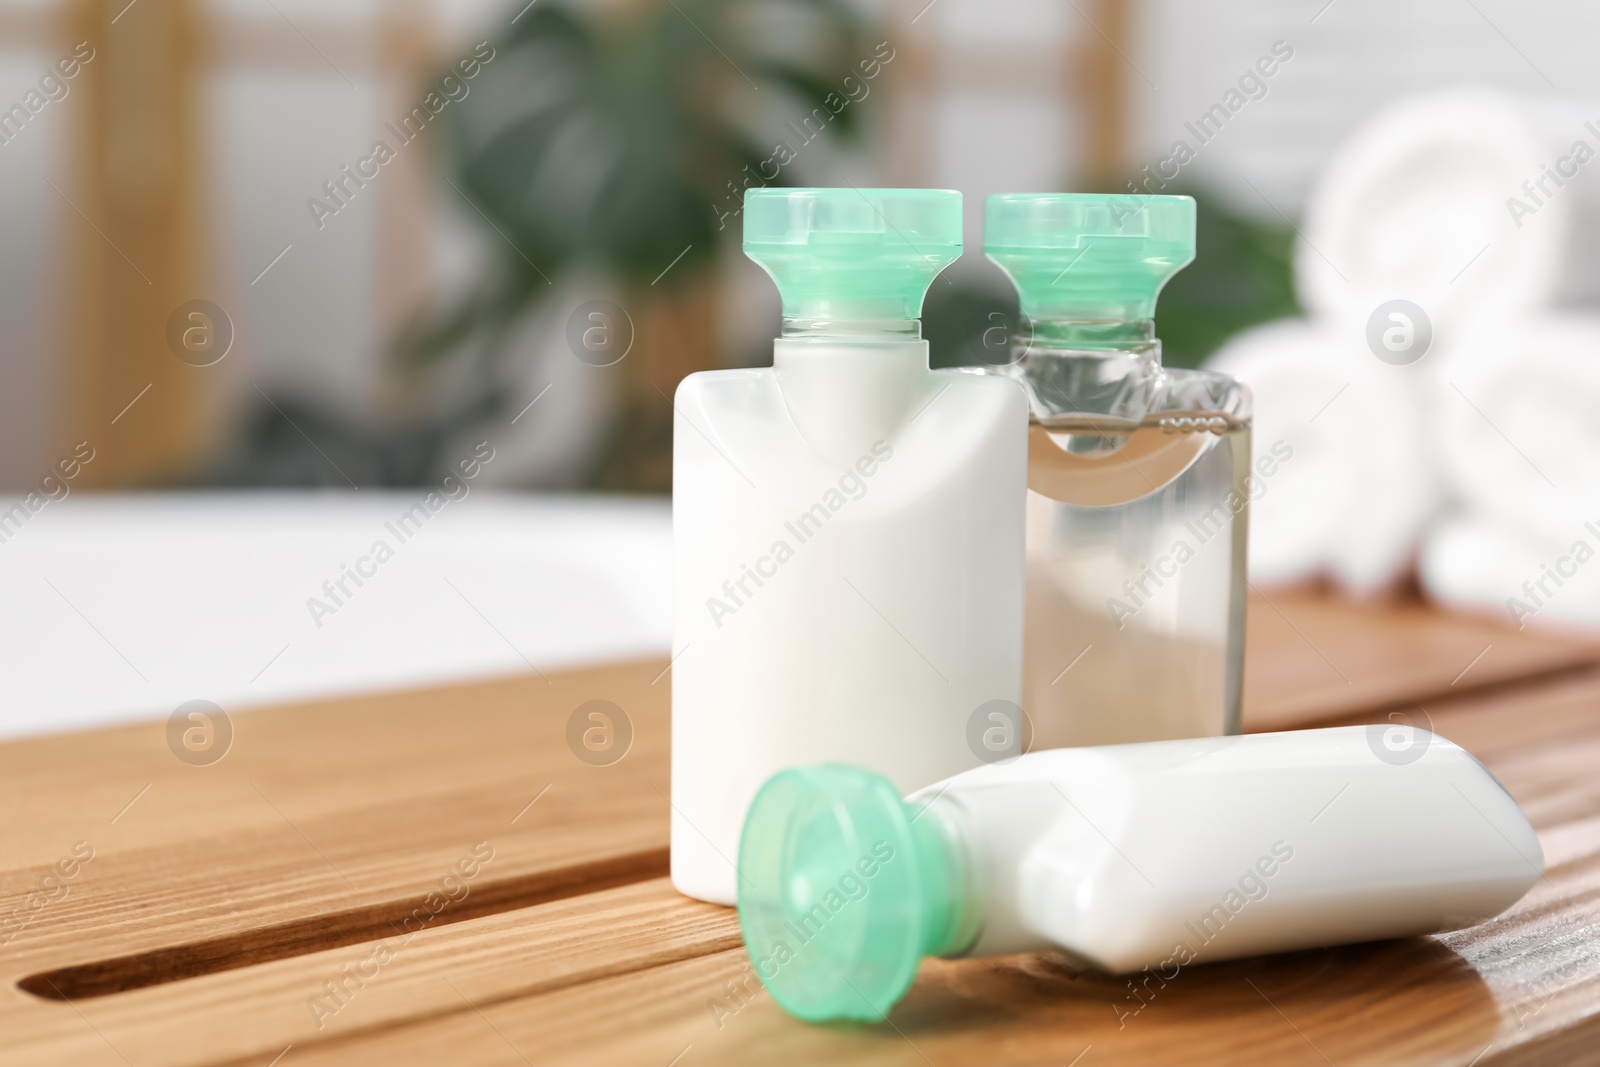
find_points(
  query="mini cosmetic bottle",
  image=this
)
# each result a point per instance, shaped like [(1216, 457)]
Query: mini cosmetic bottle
[(1139, 478), (1144, 858), (847, 527)]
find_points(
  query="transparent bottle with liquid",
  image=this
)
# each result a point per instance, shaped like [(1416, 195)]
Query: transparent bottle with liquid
[(1139, 478)]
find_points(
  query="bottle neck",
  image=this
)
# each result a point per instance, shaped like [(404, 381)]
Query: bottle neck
[(1074, 367), (952, 878), (851, 330), (1088, 338)]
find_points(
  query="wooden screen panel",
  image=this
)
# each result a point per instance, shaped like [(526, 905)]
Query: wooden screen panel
[(133, 211)]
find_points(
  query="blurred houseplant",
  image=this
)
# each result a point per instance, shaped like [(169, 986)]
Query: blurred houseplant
[(1242, 275), (615, 142)]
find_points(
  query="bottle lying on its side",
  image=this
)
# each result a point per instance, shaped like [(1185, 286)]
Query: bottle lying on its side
[(1152, 855)]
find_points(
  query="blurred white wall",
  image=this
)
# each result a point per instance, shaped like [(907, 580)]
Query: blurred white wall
[(1000, 120), (1350, 56)]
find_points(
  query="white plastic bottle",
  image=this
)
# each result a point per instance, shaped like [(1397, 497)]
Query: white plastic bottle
[(1133, 858), (847, 528)]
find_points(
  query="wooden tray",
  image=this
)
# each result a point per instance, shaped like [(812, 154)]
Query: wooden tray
[(435, 877)]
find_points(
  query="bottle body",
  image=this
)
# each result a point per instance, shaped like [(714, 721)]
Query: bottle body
[(1138, 503), (848, 530), (1154, 856)]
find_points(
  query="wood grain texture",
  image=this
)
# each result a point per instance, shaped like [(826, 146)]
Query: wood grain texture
[(1522, 989), (1311, 658), (253, 1013), (221, 899), (323, 822)]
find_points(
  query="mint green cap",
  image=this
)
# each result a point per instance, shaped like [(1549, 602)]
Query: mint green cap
[(842, 891), (852, 254), (1089, 256)]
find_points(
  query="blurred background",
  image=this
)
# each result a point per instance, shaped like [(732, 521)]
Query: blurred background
[(313, 258)]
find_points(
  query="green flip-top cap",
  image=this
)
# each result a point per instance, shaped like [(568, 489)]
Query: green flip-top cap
[(1089, 256), (852, 254), (842, 891)]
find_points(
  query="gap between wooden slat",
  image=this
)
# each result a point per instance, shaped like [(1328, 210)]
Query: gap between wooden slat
[(352, 926)]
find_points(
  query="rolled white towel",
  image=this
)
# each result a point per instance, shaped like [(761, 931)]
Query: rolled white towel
[(1517, 416), (1350, 499), (1480, 563), (1420, 203)]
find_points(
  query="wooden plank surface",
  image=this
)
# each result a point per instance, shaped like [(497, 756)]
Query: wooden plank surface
[(221, 899), (1311, 658), (1522, 989), (323, 827), (253, 1013)]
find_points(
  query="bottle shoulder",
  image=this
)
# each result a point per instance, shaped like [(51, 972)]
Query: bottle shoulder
[(702, 380), (979, 380), (737, 385), (1120, 386), (943, 429), (1208, 390)]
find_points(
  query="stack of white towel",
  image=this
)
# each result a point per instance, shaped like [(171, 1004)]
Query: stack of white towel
[(1479, 462)]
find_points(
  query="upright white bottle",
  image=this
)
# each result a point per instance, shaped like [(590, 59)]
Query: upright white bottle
[(847, 528)]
